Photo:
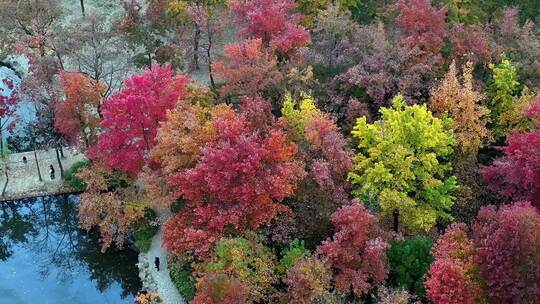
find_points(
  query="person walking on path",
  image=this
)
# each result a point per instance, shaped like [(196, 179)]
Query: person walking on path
[(51, 171), (156, 261)]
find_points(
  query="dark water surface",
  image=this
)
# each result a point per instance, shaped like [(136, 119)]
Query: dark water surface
[(45, 258)]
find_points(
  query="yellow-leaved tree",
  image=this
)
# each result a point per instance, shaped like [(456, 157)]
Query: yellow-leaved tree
[(402, 168)]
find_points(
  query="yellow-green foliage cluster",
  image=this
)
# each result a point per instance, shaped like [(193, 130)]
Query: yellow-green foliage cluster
[(298, 112), (501, 91), (249, 262), (514, 118), (402, 164), (178, 7)]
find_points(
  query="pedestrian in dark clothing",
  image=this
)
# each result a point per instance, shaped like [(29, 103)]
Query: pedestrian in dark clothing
[(156, 261), (24, 159), (51, 171)]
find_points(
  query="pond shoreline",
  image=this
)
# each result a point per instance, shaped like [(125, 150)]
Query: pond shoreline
[(37, 194), (45, 255)]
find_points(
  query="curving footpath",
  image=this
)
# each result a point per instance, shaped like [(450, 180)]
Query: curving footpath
[(165, 287)]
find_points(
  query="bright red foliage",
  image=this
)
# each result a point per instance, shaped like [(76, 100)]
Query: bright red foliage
[(77, 118), (238, 183), (533, 111), (449, 278), (516, 174), (507, 252), (448, 283), (131, 117), (424, 24), (272, 21), (8, 104), (357, 251), (501, 264)]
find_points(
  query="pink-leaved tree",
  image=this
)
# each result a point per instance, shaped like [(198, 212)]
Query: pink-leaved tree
[(132, 115)]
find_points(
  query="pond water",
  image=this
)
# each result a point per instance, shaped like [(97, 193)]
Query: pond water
[(45, 258)]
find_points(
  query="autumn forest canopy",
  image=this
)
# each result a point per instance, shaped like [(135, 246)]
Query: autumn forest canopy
[(309, 151)]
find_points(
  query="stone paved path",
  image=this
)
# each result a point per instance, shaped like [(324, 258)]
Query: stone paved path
[(165, 287), (23, 179)]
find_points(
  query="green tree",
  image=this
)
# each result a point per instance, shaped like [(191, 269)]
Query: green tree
[(409, 262), (466, 11), (501, 91), (402, 166)]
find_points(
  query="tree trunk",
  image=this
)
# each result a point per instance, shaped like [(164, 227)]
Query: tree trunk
[(208, 52), (99, 108), (396, 220), (82, 7), (59, 164), (37, 165), (7, 181), (62, 152), (196, 41), (1, 139)]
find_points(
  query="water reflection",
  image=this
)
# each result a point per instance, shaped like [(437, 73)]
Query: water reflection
[(43, 253)]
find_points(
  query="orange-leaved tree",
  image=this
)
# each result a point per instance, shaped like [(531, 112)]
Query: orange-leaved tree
[(77, 117)]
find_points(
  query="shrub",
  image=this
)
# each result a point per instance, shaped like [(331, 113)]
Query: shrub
[(308, 280), (244, 260), (356, 253), (144, 230), (291, 255), (394, 296), (181, 274), (220, 289), (451, 278), (409, 262), (72, 179), (177, 205), (151, 297)]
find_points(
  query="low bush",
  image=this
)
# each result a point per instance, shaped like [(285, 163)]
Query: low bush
[(181, 274), (291, 255), (409, 262), (145, 229), (177, 205), (70, 175)]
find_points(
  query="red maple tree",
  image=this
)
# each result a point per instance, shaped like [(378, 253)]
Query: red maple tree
[(9, 99), (272, 21), (423, 24), (356, 253), (239, 183), (131, 117), (516, 174)]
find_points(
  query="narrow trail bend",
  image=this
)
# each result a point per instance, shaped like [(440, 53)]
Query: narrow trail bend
[(165, 287)]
